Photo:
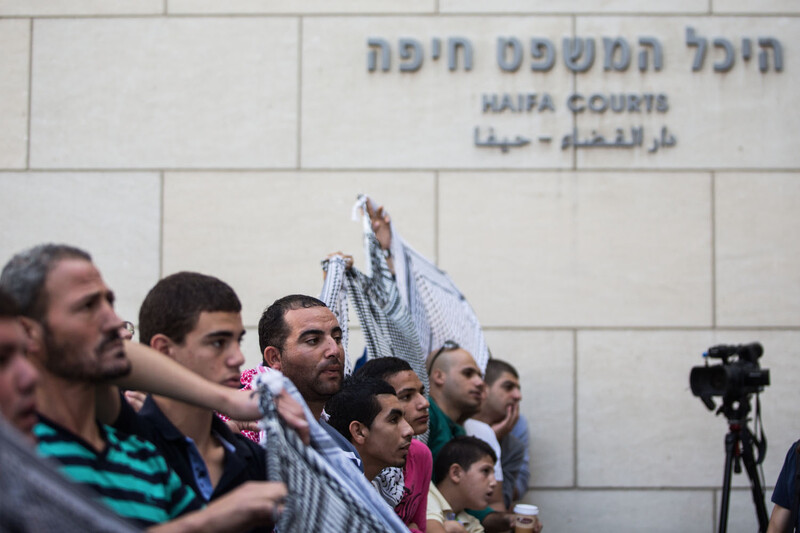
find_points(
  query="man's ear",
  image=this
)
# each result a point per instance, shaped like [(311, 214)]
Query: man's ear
[(455, 473), (162, 343), (272, 357), (35, 332), (437, 376), (358, 432)]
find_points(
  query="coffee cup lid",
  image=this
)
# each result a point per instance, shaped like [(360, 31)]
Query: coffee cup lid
[(523, 508)]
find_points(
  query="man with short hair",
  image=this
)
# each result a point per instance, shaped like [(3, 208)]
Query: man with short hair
[(300, 337), (18, 378), (500, 410), (195, 320), (76, 347), (463, 478), (369, 415), (417, 470)]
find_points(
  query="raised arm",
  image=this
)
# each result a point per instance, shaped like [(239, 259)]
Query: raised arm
[(382, 228), (155, 373)]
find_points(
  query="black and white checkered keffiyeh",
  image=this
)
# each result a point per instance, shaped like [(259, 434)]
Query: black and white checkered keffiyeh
[(387, 325), (327, 492), (439, 311)]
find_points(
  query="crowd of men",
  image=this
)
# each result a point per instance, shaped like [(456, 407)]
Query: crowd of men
[(172, 463), (454, 458)]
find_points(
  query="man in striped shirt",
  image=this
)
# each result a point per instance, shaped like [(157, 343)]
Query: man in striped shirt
[(77, 349)]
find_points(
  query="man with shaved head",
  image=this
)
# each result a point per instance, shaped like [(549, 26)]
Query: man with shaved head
[(457, 392), (456, 385)]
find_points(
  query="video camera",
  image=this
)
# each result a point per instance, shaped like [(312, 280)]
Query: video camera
[(735, 379)]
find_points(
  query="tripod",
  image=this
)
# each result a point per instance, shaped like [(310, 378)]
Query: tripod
[(739, 443)]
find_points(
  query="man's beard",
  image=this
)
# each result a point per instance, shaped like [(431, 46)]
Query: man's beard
[(65, 360)]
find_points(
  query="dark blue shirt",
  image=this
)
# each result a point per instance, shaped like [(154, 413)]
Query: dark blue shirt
[(783, 494), (244, 459)]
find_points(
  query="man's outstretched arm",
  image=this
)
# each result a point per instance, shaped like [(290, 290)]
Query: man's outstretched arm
[(155, 373)]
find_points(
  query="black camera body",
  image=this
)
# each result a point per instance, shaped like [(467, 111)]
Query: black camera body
[(735, 379)]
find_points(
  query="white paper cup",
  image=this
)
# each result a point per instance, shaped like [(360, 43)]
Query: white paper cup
[(526, 517)]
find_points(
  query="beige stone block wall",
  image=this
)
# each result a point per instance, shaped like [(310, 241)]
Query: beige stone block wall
[(574, 6), (719, 120), (299, 6), (617, 510), (232, 137), (80, 7), (266, 233), (164, 93), (116, 217), (667, 436), (14, 63), (586, 249), (545, 361), (781, 7), (354, 118), (757, 263)]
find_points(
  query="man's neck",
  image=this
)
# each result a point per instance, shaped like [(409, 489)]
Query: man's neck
[(316, 408), (450, 493), (72, 405), (486, 418), (194, 422), (453, 413), (371, 470)]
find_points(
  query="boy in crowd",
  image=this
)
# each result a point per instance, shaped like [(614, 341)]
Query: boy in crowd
[(368, 414), (195, 320), (463, 473), (417, 470)]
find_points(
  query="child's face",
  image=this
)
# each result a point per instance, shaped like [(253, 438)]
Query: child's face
[(479, 483)]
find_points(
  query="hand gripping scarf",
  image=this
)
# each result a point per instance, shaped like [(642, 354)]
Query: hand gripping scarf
[(420, 303), (327, 492), (387, 325)]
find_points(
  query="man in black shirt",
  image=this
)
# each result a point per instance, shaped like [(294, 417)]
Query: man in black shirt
[(196, 320)]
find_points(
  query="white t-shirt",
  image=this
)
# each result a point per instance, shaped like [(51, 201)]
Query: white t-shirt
[(484, 431)]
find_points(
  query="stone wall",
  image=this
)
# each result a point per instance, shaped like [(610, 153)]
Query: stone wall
[(231, 137)]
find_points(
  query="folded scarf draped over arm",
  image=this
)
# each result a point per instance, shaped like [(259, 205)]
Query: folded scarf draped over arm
[(327, 492)]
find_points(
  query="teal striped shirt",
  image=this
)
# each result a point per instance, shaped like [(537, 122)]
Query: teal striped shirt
[(130, 475)]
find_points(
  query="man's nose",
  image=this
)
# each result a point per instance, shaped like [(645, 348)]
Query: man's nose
[(408, 431), (111, 320), (424, 404), (333, 349), (236, 358), (516, 394), (28, 375)]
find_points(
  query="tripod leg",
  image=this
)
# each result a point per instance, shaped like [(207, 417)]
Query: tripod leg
[(755, 482), (730, 446)]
